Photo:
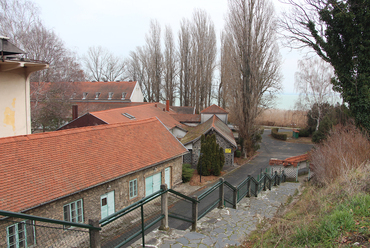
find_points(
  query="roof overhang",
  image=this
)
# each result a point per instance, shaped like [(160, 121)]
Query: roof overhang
[(10, 65)]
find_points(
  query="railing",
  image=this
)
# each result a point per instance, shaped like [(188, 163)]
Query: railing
[(125, 225), (20, 231)]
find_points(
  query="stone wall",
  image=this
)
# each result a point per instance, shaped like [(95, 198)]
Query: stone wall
[(229, 157)]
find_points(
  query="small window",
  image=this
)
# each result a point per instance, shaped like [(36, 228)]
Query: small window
[(84, 96), (110, 95), (21, 234), (133, 188), (131, 117), (97, 94), (73, 212), (123, 95)]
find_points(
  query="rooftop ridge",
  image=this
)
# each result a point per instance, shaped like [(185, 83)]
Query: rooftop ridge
[(212, 107)]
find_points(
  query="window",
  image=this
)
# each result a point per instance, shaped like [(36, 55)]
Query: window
[(73, 212), (21, 234), (110, 95), (133, 188), (123, 95), (84, 95), (97, 94)]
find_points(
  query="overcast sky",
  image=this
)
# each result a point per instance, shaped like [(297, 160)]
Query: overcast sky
[(121, 25)]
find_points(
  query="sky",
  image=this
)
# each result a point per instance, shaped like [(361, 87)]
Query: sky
[(121, 25)]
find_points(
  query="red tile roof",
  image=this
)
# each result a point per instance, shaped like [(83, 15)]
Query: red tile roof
[(139, 112), (91, 88), (214, 109), (212, 123), (289, 161), (187, 118), (39, 168), (183, 109)]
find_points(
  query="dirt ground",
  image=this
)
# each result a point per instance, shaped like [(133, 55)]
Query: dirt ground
[(195, 180)]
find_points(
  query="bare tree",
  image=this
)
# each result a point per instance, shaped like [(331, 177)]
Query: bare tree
[(204, 50), (251, 27), (153, 43), (102, 65), (313, 82), (184, 51), (170, 66)]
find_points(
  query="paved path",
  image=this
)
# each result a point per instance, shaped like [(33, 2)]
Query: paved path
[(225, 227)]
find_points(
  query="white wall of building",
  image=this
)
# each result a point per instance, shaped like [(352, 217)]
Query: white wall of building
[(15, 113), (137, 94), (205, 117)]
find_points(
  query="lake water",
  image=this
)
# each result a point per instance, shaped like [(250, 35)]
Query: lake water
[(285, 101)]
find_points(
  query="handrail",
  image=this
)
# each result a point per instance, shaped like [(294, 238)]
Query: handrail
[(244, 181), (229, 185), (182, 195), (210, 190), (37, 218)]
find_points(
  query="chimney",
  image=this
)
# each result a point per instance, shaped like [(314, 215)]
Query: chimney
[(167, 105), (164, 110), (74, 112), (155, 105)]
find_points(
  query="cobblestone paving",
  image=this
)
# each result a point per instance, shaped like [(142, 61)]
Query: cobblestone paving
[(225, 227)]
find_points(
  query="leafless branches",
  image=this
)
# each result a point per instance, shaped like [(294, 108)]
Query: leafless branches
[(253, 62)]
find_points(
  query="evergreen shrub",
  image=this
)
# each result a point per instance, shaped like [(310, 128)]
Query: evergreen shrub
[(187, 172), (275, 133)]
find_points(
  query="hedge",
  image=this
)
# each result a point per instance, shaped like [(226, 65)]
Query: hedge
[(275, 133), (187, 172)]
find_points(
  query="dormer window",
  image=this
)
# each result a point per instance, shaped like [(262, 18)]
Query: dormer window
[(123, 95), (73, 96), (84, 95), (110, 95), (97, 94)]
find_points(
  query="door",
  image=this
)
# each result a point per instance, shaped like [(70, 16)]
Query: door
[(167, 177), (153, 183), (107, 204)]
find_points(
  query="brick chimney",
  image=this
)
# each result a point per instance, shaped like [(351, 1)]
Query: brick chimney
[(167, 105), (74, 112)]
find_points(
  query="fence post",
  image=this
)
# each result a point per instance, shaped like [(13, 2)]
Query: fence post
[(221, 193), (249, 186), (264, 182), (278, 179), (95, 238), (164, 205), (284, 177), (276, 175), (256, 189), (195, 214), (235, 198)]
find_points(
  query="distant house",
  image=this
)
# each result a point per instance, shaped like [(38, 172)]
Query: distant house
[(87, 173), (94, 96), (224, 137), (207, 113), (15, 109), (131, 114)]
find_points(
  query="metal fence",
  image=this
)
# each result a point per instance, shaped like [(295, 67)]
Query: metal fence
[(22, 230), (128, 224)]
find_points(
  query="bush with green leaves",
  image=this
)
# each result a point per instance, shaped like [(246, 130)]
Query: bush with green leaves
[(212, 157), (187, 172)]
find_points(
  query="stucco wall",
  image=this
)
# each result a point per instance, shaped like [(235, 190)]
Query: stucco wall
[(15, 115), (205, 117), (137, 95)]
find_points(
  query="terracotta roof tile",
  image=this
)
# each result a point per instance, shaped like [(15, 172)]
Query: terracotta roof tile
[(39, 168), (187, 118), (183, 109), (215, 123), (214, 109), (289, 161), (139, 112)]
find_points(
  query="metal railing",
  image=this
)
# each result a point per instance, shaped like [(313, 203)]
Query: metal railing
[(125, 225), (20, 231)]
